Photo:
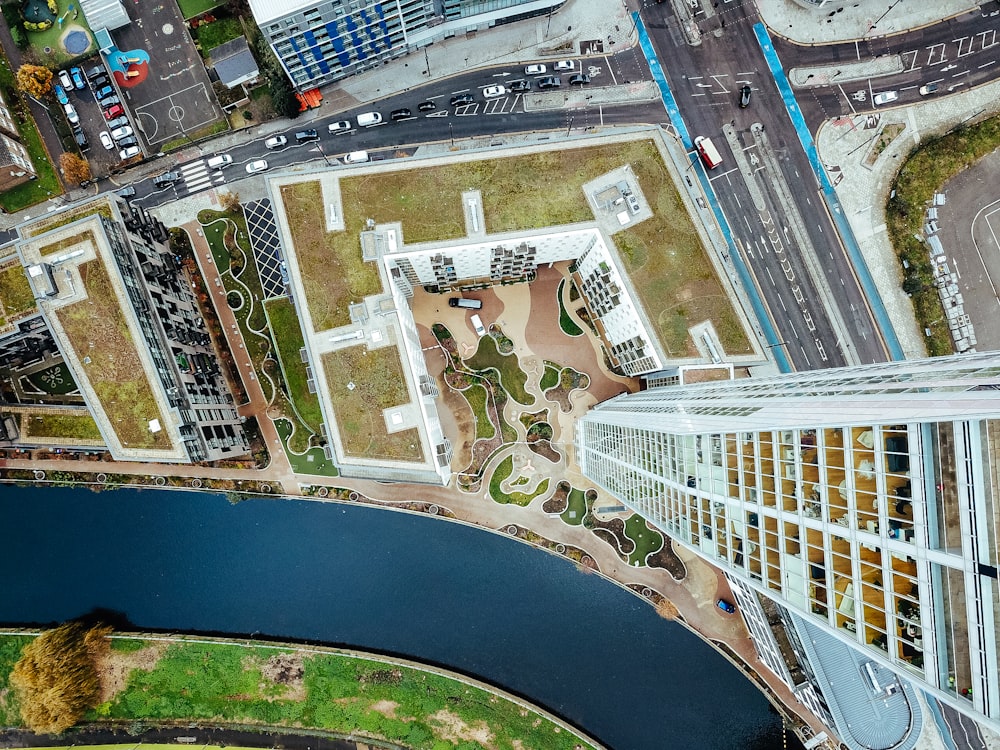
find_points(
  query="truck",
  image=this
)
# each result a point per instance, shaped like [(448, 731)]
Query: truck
[(707, 151)]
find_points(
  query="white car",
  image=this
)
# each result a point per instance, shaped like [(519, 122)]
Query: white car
[(339, 127), (71, 114), (276, 141), (128, 153), (123, 132), (256, 166), (534, 70), (494, 92), (106, 140), (65, 80), (565, 65), (885, 97)]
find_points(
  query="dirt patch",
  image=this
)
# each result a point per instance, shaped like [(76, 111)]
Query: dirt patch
[(453, 729), (388, 710), (286, 670), (667, 559), (114, 667)]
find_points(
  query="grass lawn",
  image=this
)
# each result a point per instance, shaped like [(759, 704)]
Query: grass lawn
[(476, 396), (97, 329), (550, 377), (16, 297), (330, 263), (192, 8), (568, 325), (200, 683), (287, 336), (512, 376), (46, 186), (379, 383), (646, 540), (211, 35), (215, 236), (504, 469), (313, 461), (57, 380), (76, 426), (576, 507), (57, 56)]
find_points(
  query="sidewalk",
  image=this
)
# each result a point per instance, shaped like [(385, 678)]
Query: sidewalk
[(862, 19)]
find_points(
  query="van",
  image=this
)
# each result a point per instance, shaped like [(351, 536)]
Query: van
[(367, 119), (469, 304), (356, 157), (477, 325), (219, 161)]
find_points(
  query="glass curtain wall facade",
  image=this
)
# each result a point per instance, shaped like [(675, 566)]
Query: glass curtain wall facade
[(861, 497)]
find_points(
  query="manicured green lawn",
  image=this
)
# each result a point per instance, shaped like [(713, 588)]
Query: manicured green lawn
[(46, 186), (576, 507), (192, 8), (550, 377), (568, 325), (476, 396), (646, 540), (211, 35), (512, 376), (287, 336), (503, 470), (49, 38), (313, 461)]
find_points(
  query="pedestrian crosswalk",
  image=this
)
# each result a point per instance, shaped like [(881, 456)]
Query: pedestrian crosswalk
[(196, 176)]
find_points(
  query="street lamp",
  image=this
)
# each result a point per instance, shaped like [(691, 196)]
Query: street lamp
[(427, 62), (569, 126), (451, 132)]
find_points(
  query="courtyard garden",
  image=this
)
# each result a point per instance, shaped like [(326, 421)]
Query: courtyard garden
[(50, 425), (16, 297)]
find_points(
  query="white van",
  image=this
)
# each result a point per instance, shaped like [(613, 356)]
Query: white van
[(356, 157), (477, 325), (367, 119), (220, 161)]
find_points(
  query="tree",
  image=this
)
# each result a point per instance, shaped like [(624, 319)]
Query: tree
[(74, 169), (230, 202), (34, 80), (56, 678), (667, 610)]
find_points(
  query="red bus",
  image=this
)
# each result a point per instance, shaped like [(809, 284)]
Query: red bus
[(708, 152)]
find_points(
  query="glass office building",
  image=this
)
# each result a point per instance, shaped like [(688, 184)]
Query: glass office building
[(860, 497), (319, 43)]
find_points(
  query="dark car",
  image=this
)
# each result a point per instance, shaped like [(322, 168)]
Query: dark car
[(745, 97), (549, 82), (305, 136), (427, 106), (100, 82), (400, 114), (97, 70), (579, 79), (167, 178), (519, 87), (460, 99), (129, 140), (81, 140)]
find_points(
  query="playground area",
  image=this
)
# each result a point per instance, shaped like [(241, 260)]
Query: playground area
[(58, 29), (129, 68)]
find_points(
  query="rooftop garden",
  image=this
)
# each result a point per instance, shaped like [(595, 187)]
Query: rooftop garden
[(61, 219), (67, 426), (362, 383), (58, 246), (333, 273), (99, 334), (16, 297)]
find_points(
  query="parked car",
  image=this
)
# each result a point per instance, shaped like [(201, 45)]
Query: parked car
[(494, 92), (426, 107), (117, 123), (77, 77), (885, 97), (400, 114), (725, 606), (110, 101), (97, 70), (130, 140), (276, 141), (341, 126), (128, 153), (98, 82), (103, 93), (71, 114), (306, 136), (65, 80), (535, 70), (113, 112), (930, 88), (106, 141), (745, 96), (460, 99), (550, 82), (256, 166), (122, 132), (60, 93), (519, 87), (566, 65), (81, 139), (578, 79)]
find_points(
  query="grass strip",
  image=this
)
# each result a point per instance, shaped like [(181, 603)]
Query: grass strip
[(73, 426), (503, 470), (287, 336)]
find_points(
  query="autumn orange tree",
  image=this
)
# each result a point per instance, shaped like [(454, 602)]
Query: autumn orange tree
[(34, 80), (56, 678), (74, 169)]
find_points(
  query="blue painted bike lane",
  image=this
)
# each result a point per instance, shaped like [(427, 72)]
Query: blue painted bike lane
[(829, 195), (774, 342)]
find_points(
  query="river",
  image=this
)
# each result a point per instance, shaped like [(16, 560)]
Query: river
[(409, 585)]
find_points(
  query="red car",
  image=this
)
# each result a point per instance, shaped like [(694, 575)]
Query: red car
[(113, 112)]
